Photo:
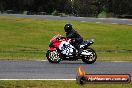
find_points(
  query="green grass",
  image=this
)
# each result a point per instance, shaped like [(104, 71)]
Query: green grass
[(22, 55), (57, 84), (24, 38)]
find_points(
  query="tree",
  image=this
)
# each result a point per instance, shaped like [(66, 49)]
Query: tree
[(85, 7), (75, 7)]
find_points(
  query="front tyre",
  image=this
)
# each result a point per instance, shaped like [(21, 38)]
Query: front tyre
[(53, 56), (90, 56)]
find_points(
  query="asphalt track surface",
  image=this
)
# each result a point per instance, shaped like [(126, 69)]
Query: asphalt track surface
[(64, 70), (82, 19)]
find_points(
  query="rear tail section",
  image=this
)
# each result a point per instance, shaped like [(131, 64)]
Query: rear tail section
[(86, 43)]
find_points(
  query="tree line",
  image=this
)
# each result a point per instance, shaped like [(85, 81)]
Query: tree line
[(74, 7)]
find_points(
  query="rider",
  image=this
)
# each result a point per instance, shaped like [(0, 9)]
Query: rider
[(72, 34)]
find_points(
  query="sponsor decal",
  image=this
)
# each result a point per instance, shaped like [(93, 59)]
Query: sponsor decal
[(83, 78)]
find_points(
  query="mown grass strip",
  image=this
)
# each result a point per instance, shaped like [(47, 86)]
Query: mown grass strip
[(24, 34), (57, 84)]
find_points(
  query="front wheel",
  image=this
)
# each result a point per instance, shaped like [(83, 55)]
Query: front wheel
[(90, 56), (53, 56)]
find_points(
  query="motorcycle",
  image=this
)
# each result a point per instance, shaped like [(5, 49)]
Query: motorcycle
[(60, 48)]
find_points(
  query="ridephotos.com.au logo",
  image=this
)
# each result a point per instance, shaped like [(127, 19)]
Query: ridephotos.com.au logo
[(83, 78)]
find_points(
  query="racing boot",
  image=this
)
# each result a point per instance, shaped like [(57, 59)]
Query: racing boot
[(79, 50)]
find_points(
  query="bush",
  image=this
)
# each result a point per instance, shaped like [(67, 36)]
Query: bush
[(103, 14), (55, 13), (25, 12)]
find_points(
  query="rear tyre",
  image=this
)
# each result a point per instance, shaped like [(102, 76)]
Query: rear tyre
[(53, 56), (91, 58)]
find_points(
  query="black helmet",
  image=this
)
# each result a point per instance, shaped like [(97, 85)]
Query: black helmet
[(68, 27)]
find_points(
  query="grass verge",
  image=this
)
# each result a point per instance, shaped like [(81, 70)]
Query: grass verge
[(102, 56), (24, 38), (57, 84)]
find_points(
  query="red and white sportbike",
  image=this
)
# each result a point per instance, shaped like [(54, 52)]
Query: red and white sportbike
[(60, 48)]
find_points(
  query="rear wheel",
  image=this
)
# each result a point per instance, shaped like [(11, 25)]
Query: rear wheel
[(53, 56), (90, 58)]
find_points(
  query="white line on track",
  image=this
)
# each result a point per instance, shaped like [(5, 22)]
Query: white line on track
[(41, 60), (114, 23), (83, 21), (101, 18), (98, 22), (129, 24), (123, 19), (101, 61), (119, 61), (80, 17)]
